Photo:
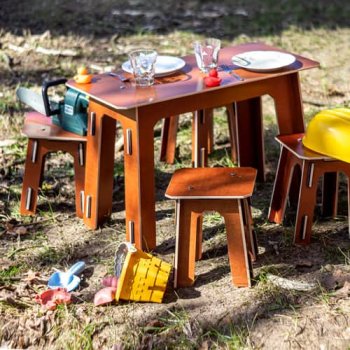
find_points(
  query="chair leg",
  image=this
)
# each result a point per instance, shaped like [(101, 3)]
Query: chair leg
[(250, 235), (236, 243), (168, 139), (33, 171), (197, 220), (185, 251), (281, 187), (306, 204), (330, 194), (79, 178)]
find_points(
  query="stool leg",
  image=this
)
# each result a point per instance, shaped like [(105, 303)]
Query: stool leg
[(33, 170), (168, 139), (330, 194), (236, 243), (250, 235), (79, 178), (281, 186), (185, 250), (306, 204), (197, 219)]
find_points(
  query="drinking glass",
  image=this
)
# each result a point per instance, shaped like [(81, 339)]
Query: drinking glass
[(143, 65), (207, 53)]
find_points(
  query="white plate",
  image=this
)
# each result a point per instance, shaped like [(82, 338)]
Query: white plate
[(165, 65), (263, 61)]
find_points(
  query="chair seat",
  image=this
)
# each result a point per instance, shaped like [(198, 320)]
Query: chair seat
[(212, 183), (294, 144), (39, 126), (226, 191)]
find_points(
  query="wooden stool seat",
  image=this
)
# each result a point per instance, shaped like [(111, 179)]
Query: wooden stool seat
[(225, 190), (43, 138), (312, 166)]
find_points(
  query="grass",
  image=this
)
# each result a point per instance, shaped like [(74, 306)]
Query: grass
[(234, 338), (192, 318)]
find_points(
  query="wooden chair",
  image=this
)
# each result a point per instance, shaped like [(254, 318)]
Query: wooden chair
[(43, 138), (312, 166), (225, 190)]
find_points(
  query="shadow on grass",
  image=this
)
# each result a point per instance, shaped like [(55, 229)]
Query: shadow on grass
[(116, 18)]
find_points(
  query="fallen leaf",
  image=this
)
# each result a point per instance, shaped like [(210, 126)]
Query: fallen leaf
[(21, 230), (32, 276), (304, 263), (344, 291), (291, 284)]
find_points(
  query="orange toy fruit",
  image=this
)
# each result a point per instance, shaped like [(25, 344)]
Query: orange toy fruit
[(83, 71), (83, 76)]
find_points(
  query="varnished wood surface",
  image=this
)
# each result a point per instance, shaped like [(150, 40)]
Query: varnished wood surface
[(39, 126), (295, 145), (188, 81), (212, 183), (139, 109)]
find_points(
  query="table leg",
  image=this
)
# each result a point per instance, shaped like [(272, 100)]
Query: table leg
[(139, 182), (250, 135), (200, 138), (168, 139), (288, 103), (99, 167)]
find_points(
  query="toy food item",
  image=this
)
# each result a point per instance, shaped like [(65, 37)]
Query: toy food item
[(53, 297), (83, 76), (83, 71), (104, 296), (110, 281), (212, 81), (213, 73)]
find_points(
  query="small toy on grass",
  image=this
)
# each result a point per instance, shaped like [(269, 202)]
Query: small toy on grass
[(67, 279), (52, 297), (106, 295)]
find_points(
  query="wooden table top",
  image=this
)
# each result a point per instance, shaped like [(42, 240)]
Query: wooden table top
[(186, 82)]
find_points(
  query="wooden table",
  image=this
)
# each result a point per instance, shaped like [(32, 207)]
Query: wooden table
[(138, 110)]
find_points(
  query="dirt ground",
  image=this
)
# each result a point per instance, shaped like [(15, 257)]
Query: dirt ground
[(44, 40)]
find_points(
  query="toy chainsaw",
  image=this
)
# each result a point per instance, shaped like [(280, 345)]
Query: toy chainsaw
[(70, 113)]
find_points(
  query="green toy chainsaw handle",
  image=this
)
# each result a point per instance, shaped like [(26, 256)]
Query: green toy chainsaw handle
[(44, 90)]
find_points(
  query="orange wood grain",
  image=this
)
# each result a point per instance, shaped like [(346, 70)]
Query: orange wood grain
[(312, 166), (139, 109)]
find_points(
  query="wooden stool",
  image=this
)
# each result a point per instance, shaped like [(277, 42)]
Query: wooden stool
[(43, 138), (204, 131), (225, 190), (312, 165)]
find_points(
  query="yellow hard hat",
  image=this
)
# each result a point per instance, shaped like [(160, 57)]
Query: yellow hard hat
[(328, 133)]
